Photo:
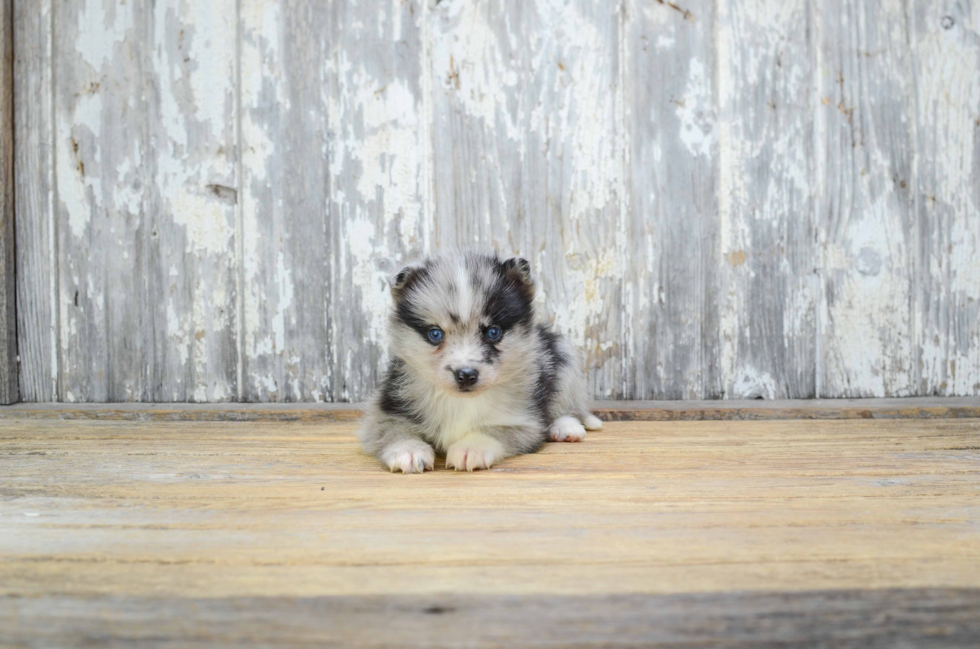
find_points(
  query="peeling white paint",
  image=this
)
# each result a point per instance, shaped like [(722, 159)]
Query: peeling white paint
[(207, 223), (202, 39), (587, 114), (867, 340), (731, 193), (753, 383), (261, 24), (101, 31), (370, 282), (177, 334), (695, 110), (388, 152), (471, 66), (539, 106), (79, 184), (284, 284), (585, 300), (948, 96), (377, 162)]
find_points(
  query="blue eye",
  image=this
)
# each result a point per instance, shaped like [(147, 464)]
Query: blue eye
[(435, 335), (494, 333)]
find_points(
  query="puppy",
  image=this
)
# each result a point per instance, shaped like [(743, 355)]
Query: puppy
[(472, 374)]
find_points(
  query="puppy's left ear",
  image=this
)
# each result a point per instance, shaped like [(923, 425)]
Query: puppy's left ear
[(400, 280), (520, 269)]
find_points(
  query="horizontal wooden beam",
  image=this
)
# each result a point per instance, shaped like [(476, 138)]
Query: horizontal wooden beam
[(911, 408)]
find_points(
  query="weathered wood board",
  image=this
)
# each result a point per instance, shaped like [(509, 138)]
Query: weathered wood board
[(142, 298), (671, 235), (9, 378), (828, 533), (866, 202), (721, 199), (284, 194), (37, 262), (940, 618), (946, 59), (767, 290)]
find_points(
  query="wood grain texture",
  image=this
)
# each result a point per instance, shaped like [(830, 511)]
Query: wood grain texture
[(99, 145), (476, 71), (285, 226), (572, 177), (144, 165), (9, 375), (672, 234), (189, 268), (768, 292), (946, 53), (377, 154), (933, 617), (292, 514), (36, 231), (730, 199), (866, 201), (333, 190)]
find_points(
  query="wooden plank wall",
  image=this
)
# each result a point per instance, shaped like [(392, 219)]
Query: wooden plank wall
[(721, 198)]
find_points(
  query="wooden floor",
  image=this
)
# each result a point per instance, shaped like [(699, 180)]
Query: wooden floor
[(721, 533)]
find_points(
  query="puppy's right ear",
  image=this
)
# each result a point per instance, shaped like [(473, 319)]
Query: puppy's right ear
[(402, 279)]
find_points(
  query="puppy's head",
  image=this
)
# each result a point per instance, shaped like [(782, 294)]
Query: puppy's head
[(463, 320)]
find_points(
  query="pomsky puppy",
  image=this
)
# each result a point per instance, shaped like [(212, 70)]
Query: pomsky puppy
[(472, 374)]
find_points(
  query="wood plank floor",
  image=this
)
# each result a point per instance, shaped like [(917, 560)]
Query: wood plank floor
[(721, 533)]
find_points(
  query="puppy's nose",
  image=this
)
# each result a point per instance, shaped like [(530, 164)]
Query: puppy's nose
[(466, 377)]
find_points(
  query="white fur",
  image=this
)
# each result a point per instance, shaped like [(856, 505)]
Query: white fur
[(566, 429), (409, 456), (591, 422), (450, 416), (475, 451)]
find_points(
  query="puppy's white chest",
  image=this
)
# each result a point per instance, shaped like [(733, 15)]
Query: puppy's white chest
[(459, 418)]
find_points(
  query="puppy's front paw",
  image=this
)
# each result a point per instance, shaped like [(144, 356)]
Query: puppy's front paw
[(411, 456), (566, 429), (591, 422), (474, 452)]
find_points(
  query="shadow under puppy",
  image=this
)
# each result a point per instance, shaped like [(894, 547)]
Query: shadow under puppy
[(472, 374)]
